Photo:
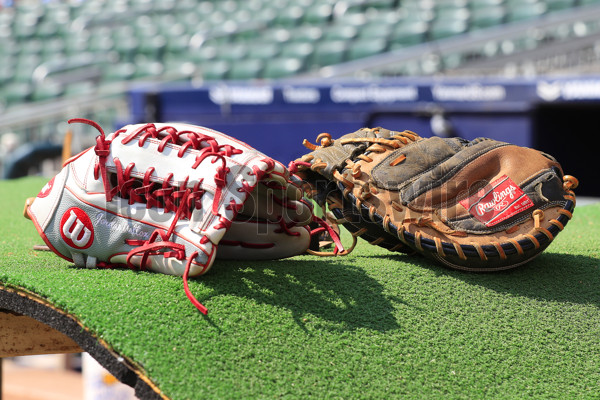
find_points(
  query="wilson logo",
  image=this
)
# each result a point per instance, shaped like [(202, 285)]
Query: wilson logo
[(76, 228)]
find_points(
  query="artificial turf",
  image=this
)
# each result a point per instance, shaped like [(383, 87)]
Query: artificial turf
[(369, 325)]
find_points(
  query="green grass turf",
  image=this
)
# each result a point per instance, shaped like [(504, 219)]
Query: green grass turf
[(371, 325)]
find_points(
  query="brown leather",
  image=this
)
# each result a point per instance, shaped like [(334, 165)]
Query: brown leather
[(474, 205)]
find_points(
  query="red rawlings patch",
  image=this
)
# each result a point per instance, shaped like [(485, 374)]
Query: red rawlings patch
[(497, 201), (46, 189), (76, 228)]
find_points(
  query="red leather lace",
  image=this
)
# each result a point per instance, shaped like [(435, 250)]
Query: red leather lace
[(179, 199)]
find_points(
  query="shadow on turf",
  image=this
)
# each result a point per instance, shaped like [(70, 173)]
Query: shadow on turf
[(551, 277), (342, 296)]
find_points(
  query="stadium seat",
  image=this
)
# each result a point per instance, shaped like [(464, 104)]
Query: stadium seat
[(282, 67), (486, 17), (16, 92), (148, 69), (52, 48), (263, 51), (232, 51), (47, 91), (441, 29), (46, 29), (75, 44), (177, 44), (523, 11), (340, 32), (289, 16), (203, 54), (246, 69), (126, 47), (318, 13), (375, 30), (355, 19), (366, 47), (329, 53), (79, 88), (25, 66), (152, 46), (214, 70), (477, 4), (100, 41), (408, 33), (6, 74), (299, 50), (305, 34), (559, 5), (452, 14), (118, 72)]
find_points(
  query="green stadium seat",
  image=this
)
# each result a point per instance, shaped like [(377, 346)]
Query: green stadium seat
[(15, 93), (203, 54), (452, 13), (299, 50), (52, 48), (318, 13), (75, 44), (441, 29), (47, 91), (477, 4), (23, 31), (33, 47), (355, 19), (118, 72), (340, 32), (246, 69), (263, 51), (559, 5), (486, 17), (148, 69), (289, 16), (329, 53), (282, 67), (408, 33), (450, 4), (524, 11), (126, 47), (46, 29), (8, 48), (232, 51), (152, 46), (178, 67), (6, 74), (306, 34), (366, 47), (177, 44), (375, 30), (25, 66), (79, 88), (380, 4), (100, 41), (214, 70)]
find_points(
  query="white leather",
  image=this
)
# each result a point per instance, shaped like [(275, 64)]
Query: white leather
[(79, 186)]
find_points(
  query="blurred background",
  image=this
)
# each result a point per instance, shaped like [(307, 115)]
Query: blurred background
[(274, 72)]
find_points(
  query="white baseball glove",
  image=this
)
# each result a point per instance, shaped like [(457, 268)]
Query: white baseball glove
[(164, 197)]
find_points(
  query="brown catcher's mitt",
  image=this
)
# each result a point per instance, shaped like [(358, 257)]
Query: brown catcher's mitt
[(479, 205)]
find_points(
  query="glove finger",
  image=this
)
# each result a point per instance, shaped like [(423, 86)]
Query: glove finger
[(263, 240), (269, 203)]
